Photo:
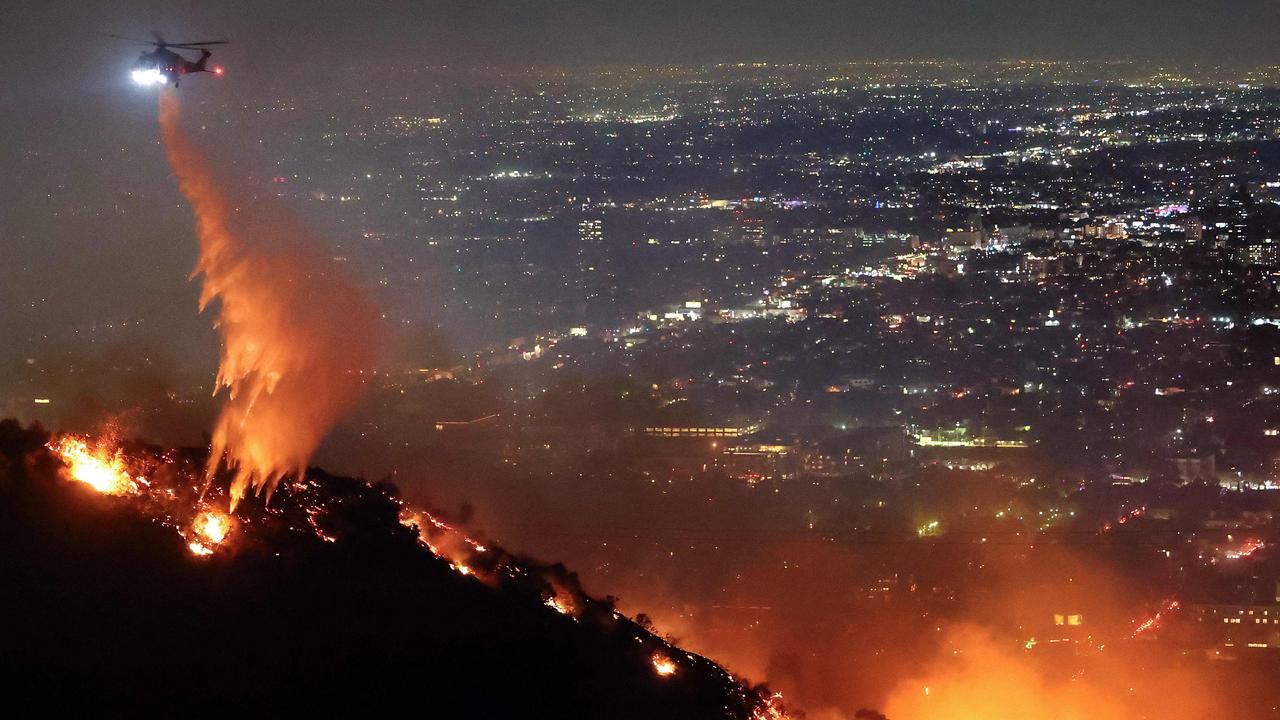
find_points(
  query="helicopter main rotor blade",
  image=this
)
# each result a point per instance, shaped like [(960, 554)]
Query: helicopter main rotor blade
[(133, 40), (159, 39), (197, 44)]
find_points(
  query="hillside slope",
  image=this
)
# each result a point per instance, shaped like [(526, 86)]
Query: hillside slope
[(108, 607)]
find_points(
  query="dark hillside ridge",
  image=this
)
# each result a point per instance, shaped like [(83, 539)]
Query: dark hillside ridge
[(107, 609)]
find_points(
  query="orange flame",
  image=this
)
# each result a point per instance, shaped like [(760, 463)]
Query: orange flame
[(563, 606), (663, 665), (297, 334), (210, 528), (99, 467), (770, 709), (1154, 621), (1245, 550), (213, 526)]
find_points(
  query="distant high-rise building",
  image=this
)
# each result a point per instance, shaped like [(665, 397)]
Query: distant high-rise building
[(970, 233), (1192, 228), (590, 234), (595, 272), (743, 230), (1265, 253), (1238, 209), (590, 244), (1013, 235)]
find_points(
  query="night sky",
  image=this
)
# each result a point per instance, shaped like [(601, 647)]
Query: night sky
[(40, 38)]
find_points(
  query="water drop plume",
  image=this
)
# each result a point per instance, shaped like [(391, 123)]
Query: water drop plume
[(298, 336)]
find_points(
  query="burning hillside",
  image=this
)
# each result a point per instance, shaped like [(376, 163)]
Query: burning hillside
[(128, 586)]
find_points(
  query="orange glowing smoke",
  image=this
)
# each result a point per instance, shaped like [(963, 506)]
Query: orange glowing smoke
[(99, 467), (978, 676), (297, 335), (986, 680)]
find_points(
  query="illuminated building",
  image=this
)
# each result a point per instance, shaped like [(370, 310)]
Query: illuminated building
[(857, 449), (1239, 208), (590, 233), (1192, 229), (743, 230), (958, 437), (969, 234), (754, 463), (700, 432), (1195, 469), (1265, 253), (1239, 628)]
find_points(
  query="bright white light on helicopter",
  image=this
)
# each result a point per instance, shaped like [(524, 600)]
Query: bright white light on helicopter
[(149, 76)]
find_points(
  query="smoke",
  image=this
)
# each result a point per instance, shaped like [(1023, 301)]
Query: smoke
[(977, 675), (984, 678), (734, 574), (297, 335), (133, 381)]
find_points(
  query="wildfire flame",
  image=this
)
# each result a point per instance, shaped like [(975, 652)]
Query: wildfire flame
[(1154, 621), (210, 528), (564, 607), (100, 467), (297, 334), (663, 665), (105, 468), (1247, 549), (199, 548), (213, 526), (771, 709)]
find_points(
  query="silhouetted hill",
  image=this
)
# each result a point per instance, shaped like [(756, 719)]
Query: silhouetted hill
[(107, 608)]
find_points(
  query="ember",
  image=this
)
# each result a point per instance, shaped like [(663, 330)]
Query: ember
[(1246, 549), (1154, 621)]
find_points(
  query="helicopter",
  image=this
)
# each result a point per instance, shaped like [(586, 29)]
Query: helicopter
[(163, 65)]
